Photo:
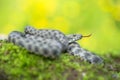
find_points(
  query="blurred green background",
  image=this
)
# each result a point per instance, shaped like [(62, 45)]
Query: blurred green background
[(99, 17)]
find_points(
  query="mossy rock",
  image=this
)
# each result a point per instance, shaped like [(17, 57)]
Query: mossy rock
[(16, 63)]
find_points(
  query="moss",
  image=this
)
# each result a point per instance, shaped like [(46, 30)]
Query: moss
[(16, 63)]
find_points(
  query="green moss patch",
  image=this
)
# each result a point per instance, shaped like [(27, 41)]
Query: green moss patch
[(16, 63)]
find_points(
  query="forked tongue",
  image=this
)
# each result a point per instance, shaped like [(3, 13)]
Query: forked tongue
[(86, 36)]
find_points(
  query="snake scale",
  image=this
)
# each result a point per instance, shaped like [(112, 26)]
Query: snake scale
[(51, 43)]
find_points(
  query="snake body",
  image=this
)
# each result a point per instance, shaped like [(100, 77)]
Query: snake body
[(51, 43)]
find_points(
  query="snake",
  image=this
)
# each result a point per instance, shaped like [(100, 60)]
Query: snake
[(51, 43)]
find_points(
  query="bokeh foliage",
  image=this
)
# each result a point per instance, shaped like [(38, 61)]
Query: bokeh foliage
[(17, 63), (99, 17)]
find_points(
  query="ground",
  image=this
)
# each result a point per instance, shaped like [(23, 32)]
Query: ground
[(16, 63)]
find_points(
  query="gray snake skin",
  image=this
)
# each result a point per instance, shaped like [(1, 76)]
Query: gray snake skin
[(51, 43)]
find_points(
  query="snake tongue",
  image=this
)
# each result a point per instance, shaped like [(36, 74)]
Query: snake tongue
[(76, 37), (87, 35)]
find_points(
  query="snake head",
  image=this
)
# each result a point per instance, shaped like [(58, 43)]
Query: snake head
[(74, 37)]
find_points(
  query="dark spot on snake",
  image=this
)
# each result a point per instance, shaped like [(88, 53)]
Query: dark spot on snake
[(55, 52), (97, 59), (46, 30), (20, 43), (49, 32), (38, 34), (36, 49), (9, 39), (34, 42), (38, 40), (71, 47), (87, 54), (18, 37), (35, 37), (13, 35), (29, 47), (46, 35), (44, 42), (40, 44), (27, 41), (45, 51), (64, 37), (42, 36), (55, 33), (30, 30), (49, 46), (13, 40), (71, 53), (77, 51)]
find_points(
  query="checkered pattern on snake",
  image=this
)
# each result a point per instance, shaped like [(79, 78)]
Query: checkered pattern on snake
[(51, 43)]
